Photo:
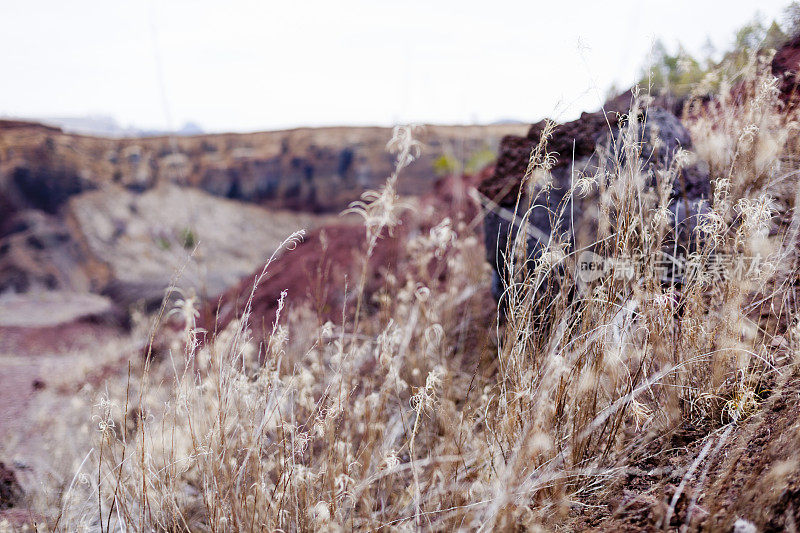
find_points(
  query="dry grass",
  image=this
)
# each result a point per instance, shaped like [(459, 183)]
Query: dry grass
[(411, 417)]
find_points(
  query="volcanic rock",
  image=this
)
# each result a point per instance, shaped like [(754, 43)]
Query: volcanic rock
[(785, 67), (579, 147), (10, 490)]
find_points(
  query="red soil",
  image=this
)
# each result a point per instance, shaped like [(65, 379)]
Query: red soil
[(330, 259), (316, 272), (79, 335)]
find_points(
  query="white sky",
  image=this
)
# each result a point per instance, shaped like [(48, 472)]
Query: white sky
[(249, 65)]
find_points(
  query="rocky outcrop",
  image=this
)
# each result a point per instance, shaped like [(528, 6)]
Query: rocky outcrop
[(785, 67), (579, 147), (10, 490), (41, 252), (33, 174), (44, 187), (177, 235)]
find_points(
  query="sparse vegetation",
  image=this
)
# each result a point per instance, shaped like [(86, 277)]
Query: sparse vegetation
[(188, 240), (679, 72)]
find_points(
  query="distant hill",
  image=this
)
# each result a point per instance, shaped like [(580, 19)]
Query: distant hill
[(108, 126)]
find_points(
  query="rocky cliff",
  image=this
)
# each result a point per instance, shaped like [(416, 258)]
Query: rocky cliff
[(308, 169)]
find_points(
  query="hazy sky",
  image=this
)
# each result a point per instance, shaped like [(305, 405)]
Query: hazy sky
[(248, 65)]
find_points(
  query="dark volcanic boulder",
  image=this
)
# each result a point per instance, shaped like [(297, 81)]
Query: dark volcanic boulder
[(10, 490), (46, 188), (582, 147), (785, 67)]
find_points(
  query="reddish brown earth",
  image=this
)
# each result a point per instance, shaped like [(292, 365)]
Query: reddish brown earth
[(62, 338), (752, 473), (330, 259), (41, 334), (31, 357), (315, 272)]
